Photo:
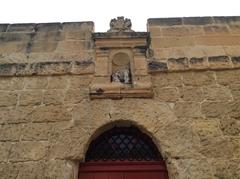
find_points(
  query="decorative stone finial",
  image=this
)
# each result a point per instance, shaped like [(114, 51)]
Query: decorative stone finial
[(120, 24)]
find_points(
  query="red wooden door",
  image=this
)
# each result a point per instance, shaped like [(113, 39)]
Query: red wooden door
[(123, 170)]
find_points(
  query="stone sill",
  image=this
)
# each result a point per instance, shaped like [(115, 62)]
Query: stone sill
[(119, 91)]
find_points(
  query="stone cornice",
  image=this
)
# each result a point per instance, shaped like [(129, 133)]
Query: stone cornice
[(194, 64), (87, 66), (47, 68), (193, 20)]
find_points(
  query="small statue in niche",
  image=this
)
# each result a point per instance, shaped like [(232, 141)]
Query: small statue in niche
[(121, 69), (122, 76)]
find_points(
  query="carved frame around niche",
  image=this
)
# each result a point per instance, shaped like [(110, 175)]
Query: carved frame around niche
[(134, 45)]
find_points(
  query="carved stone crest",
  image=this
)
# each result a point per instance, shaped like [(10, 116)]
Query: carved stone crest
[(120, 24)]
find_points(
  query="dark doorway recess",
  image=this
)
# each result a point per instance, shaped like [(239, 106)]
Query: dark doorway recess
[(123, 153)]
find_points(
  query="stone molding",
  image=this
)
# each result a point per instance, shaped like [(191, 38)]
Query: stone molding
[(36, 27), (88, 66), (194, 64), (193, 20), (47, 68)]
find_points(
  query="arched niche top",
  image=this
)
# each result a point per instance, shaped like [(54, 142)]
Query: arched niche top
[(121, 68), (123, 143)]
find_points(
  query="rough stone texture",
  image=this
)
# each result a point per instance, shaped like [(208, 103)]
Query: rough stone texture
[(47, 118)]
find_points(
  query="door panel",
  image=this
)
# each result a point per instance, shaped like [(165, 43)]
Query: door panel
[(145, 175), (123, 170), (99, 175), (102, 175)]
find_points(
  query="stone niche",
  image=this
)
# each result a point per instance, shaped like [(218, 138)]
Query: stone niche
[(120, 64)]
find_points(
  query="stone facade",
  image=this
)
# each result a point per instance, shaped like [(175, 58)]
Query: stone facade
[(48, 119)]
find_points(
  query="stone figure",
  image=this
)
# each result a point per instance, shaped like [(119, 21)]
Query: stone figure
[(120, 24), (122, 76)]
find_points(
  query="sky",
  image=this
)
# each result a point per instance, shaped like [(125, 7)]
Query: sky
[(102, 11)]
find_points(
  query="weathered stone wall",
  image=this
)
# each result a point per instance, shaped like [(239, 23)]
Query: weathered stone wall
[(47, 119), (24, 43)]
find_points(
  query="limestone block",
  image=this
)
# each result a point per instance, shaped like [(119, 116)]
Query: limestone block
[(11, 47), (215, 109), (11, 132), (83, 67), (35, 83), (36, 131), (198, 63), (69, 143), (216, 30), (50, 113), (166, 42), (58, 169), (164, 21), (48, 68), (30, 169), (13, 83), (234, 28), (73, 96), (73, 46), (232, 50), (228, 77), (166, 94), (43, 27), (30, 97), (195, 30), (57, 82), (235, 109), (140, 63), (8, 170), (213, 51), (217, 147), (198, 78), (15, 115), (21, 27), (4, 152), (167, 80), (206, 129), (12, 69), (216, 40), (188, 109), (230, 126), (15, 37), (217, 93), (102, 67), (235, 90), (53, 97), (154, 31), (236, 61), (3, 27), (48, 36), (78, 82), (225, 168), (189, 93), (179, 141), (154, 66), (28, 151), (42, 46), (177, 64), (219, 62), (8, 98), (193, 168), (175, 31)]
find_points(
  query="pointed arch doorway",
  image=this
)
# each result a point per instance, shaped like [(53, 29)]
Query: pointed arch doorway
[(123, 153)]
